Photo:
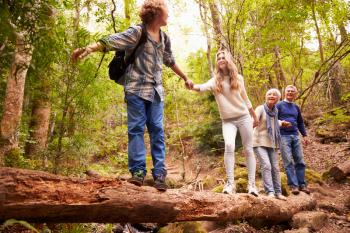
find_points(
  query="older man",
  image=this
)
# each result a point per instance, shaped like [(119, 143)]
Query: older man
[(291, 148)]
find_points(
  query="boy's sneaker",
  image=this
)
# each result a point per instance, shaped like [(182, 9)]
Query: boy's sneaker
[(160, 184), (281, 197), (137, 178), (252, 190), (304, 189), (228, 188), (295, 190)]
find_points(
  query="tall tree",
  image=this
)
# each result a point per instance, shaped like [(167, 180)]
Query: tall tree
[(12, 110), (217, 24), (203, 9), (318, 31)]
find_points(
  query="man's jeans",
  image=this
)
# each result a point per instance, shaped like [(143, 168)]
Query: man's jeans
[(140, 113), (292, 156)]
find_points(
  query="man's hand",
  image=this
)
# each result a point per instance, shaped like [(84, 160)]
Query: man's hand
[(306, 141), (80, 53), (189, 84)]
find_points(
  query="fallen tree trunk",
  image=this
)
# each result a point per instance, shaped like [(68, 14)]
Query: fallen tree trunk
[(340, 171), (36, 196)]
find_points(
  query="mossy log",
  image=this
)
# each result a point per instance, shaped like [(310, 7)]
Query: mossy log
[(340, 171), (36, 196)]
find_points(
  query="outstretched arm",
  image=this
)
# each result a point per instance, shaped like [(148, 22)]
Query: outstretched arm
[(81, 53), (119, 41)]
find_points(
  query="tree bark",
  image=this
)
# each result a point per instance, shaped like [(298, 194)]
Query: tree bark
[(36, 196), (340, 171), (319, 37), (39, 123), (280, 77), (343, 32), (217, 25), (204, 16), (12, 111)]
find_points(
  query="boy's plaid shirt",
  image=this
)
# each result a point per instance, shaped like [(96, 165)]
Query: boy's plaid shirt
[(144, 76)]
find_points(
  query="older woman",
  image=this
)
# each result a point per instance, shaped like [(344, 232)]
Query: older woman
[(144, 92), (266, 140), (234, 108)]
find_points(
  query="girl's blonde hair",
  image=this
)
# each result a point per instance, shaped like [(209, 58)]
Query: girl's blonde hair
[(232, 72)]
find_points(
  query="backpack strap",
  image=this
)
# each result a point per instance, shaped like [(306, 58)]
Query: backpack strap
[(142, 40)]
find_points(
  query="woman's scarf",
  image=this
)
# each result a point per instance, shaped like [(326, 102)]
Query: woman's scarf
[(272, 114)]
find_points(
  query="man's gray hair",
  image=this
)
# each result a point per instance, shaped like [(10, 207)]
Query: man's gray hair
[(291, 86)]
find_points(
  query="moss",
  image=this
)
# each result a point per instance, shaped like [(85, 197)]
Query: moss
[(172, 183), (102, 169), (14, 158), (241, 185), (209, 182), (218, 189), (326, 175), (183, 227), (240, 159), (321, 132), (241, 172), (312, 176), (284, 184)]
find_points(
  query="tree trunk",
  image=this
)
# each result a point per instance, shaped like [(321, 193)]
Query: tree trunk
[(340, 171), (320, 43), (39, 123), (36, 196), (280, 77), (333, 91), (215, 15), (343, 32), (128, 4), (12, 111), (204, 16)]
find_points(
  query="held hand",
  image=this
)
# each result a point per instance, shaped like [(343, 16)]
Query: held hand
[(80, 53), (286, 124), (189, 84), (255, 123)]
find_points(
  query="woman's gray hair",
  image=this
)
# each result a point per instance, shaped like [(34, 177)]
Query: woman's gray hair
[(274, 90)]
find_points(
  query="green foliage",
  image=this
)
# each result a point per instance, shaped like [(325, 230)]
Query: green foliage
[(312, 176), (336, 116), (14, 158), (218, 189), (209, 181), (346, 97), (183, 227), (13, 222)]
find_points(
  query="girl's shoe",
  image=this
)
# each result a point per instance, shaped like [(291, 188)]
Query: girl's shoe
[(253, 191), (229, 188)]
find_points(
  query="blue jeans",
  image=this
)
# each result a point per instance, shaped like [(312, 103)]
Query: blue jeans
[(270, 170), (293, 160), (140, 113)]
